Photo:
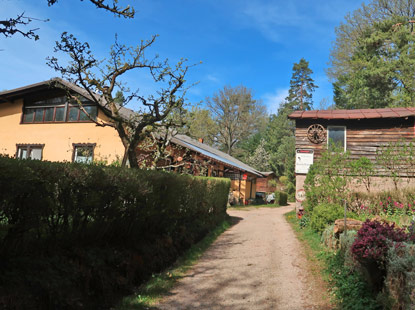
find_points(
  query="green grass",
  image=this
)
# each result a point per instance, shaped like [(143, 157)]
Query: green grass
[(315, 251), (347, 287), (160, 284)]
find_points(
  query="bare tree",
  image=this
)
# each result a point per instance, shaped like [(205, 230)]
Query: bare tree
[(13, 25), (127, 12), (237, 115), (103, 77)]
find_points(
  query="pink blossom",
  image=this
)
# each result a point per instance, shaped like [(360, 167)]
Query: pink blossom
[(381, 203)]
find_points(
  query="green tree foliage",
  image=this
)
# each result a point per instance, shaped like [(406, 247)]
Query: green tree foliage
[(373, 59), (248, 146), (119, 97), (200, 125), (237, 114), (301, 87), (260, 159), (280, 130)]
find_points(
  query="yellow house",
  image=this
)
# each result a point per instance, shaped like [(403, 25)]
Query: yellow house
[(37, 121)]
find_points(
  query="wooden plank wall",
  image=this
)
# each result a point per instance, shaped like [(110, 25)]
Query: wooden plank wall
[(363, 137)]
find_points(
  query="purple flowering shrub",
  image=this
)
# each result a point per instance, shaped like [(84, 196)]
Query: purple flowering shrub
[(371, 246), (373, 240)]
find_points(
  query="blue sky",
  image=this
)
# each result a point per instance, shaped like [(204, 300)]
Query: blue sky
[(239, 42)]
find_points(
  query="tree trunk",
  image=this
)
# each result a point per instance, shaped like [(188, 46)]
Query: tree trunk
[(132, 157)]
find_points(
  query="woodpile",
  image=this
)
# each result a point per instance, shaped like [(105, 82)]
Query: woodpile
[(351, 224)]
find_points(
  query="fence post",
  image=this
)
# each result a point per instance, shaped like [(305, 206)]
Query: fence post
[(345, 217)]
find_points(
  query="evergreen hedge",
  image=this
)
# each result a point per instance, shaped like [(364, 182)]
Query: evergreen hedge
[(73, 233), (281, 198)]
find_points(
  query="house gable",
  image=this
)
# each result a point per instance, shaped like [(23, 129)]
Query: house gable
[(31, 116)]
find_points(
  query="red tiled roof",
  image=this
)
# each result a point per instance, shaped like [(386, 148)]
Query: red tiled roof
[(353, 114)]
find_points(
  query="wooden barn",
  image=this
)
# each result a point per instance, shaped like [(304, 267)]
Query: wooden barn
[(361, 132), (198, 158), (265, 184)]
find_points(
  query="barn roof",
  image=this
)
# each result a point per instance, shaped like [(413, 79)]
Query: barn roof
[(353, 114), (212, 153)]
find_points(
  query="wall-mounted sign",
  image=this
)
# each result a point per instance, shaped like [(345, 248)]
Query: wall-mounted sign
[(245, 177), (304, 158), (300, 195)]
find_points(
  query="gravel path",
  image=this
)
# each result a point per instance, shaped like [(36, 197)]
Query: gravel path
[(257, 264)]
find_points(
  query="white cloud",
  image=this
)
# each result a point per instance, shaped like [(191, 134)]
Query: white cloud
[(269, 17), (276, 20), (212, 78), (273, 100)]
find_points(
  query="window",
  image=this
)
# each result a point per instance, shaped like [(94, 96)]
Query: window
[(29, 151), (83, 153), (336, 137), (56, 110)]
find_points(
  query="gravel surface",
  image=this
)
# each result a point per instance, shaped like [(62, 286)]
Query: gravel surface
[(257, 264)]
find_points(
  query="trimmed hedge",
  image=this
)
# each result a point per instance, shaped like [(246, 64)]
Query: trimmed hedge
[(281, 198), (73, 233), (324, 215)]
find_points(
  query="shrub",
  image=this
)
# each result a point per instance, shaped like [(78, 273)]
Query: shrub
[(71, 232), (371, 247), (325, 214), (374, 239), (327, 179), (400, 280), (304, 221), (281, 198), (350, 288)]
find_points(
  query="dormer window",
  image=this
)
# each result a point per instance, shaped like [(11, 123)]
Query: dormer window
[(57, 110)]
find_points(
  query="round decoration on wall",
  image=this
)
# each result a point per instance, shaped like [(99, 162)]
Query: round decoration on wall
[(316, 133)]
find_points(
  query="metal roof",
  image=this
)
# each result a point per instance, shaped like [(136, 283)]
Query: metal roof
[(354, 114), (213, 153)]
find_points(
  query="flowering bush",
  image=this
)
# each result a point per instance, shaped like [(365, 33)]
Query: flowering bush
[(374, 239), (399, 203), (371, 247)]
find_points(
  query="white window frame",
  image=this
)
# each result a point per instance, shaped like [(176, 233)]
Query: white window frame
[(345, 136), (83, 145), (29, 148)]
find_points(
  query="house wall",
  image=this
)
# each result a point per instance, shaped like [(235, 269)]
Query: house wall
[(57, 137), (245, 190), (264, 186), (363, 138)]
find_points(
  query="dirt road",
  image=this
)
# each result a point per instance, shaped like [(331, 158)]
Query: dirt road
[(257, 264)]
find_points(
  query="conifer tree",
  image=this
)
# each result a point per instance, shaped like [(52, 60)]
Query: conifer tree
[(301, 87)]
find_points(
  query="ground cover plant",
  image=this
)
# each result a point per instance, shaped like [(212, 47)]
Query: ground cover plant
[(347, 287), (380, 256), (79, 236)]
